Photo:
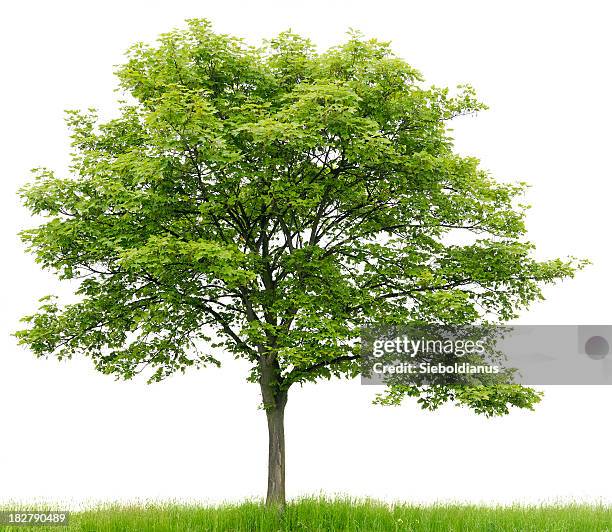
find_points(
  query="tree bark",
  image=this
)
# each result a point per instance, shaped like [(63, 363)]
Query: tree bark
[(276, 452), (274, 401)]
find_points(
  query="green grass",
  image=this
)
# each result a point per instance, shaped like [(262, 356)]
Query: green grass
[(318, 514)]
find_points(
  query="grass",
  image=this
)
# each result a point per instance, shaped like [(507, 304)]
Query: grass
[(319, 514)]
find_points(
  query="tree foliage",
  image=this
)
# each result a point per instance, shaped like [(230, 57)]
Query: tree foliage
[(272, 200)]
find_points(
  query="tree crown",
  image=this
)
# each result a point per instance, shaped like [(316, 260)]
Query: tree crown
[(275, 199)]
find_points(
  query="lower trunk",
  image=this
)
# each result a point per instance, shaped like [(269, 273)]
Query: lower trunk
[(276, 450)]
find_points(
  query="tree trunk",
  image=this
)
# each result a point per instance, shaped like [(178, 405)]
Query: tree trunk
[(274, 401), (276, 451)]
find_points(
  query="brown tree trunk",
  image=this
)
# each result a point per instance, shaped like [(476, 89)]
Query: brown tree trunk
[(276, 451), (274, 401)]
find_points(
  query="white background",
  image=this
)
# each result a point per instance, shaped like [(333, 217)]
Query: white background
[(67, 433)]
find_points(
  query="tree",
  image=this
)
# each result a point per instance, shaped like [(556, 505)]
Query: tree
[(271, 201)]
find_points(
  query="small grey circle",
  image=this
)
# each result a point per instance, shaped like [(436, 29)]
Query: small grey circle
[(597, 347)]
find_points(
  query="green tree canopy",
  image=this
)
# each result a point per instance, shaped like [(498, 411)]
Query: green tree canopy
[(272, 200)]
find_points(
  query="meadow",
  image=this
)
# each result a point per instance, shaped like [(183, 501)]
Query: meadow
[(323, 514)]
